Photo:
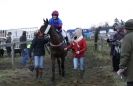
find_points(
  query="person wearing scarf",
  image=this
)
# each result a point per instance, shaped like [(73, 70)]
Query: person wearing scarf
[(79, 47)]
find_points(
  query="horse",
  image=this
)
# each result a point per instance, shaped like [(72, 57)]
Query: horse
[(56, 48)]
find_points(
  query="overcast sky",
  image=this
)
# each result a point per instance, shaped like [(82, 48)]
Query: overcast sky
[(74, 13)]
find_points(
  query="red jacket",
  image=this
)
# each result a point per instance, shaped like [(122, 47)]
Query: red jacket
[(80, 46)]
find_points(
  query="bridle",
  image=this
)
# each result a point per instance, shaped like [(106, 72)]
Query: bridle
[(51, 44), (47, 29)]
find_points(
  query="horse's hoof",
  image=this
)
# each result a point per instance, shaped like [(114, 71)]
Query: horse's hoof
[(63, 74), (60, 74), (75, 81), (52, 79), (63, 78)]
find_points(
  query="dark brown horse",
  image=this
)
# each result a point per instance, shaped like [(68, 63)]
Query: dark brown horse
[(56, 48)]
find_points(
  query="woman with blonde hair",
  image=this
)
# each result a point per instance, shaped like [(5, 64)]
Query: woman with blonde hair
[(78, 46)]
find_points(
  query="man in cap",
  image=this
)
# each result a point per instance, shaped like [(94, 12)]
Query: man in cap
[(126, 61)]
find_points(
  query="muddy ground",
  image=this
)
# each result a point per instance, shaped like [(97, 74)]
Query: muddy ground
[(98, 73)]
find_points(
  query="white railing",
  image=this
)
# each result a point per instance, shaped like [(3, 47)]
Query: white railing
[(12, 49)]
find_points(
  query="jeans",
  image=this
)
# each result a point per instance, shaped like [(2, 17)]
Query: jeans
[(78, 62), (25, 56), (38, 61)]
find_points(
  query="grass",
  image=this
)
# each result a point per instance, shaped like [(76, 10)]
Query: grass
[(105, 59), (98, 71)]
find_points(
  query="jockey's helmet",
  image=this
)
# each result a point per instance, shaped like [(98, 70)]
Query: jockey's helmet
[(55, 13)]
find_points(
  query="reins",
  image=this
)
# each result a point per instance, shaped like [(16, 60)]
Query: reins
[(51, 44)]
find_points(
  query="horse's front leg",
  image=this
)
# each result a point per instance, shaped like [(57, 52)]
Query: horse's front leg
[(59, 65), (62, 66), (53, 68)]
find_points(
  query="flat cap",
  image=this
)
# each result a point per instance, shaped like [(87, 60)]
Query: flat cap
[(129, 24)]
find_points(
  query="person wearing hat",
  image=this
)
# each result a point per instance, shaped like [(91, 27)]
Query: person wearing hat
[(126, 61), (79, 47), (56, 22), (115, 44)]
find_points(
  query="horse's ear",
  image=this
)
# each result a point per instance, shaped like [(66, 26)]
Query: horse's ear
[(44, 20)]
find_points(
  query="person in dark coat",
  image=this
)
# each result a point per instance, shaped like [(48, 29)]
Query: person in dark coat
[(115, 44), (38, 50), (126, 61), (24, 50)]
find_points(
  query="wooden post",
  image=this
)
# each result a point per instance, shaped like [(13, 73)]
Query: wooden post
[(12, 54)]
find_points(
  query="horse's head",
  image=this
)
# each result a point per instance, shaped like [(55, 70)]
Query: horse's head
[(45, 27), (46, 22), (50, 30)]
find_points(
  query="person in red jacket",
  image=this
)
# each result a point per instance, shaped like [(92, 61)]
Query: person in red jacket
[(78, 46)]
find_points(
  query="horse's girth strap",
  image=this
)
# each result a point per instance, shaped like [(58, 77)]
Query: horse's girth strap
[(53, 45)]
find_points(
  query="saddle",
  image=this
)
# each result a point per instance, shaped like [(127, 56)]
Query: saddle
[(63, 36)]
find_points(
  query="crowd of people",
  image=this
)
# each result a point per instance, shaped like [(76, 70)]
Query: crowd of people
[(34, 53), (121, 45), (122, 51)]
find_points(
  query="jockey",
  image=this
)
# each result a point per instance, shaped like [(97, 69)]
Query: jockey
[(57, 23)]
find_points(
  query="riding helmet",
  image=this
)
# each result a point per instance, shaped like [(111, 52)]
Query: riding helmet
[(55, 13)]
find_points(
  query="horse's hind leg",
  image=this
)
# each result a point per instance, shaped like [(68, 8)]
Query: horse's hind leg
[(62, 66), (53, 69), (59, 66)]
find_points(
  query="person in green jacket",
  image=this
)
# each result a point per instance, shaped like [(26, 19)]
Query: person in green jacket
[(126, 61)]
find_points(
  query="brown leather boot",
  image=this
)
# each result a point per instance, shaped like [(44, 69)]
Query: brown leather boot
[(75, 76), (82, 74), (37, 73), (40, 74)]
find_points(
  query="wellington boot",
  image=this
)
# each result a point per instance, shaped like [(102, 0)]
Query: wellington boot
[(40, 77), (82, 74), (75, 76), (37, 73)]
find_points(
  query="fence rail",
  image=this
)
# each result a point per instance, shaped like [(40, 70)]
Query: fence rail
[(101, 47), (12, 45)]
